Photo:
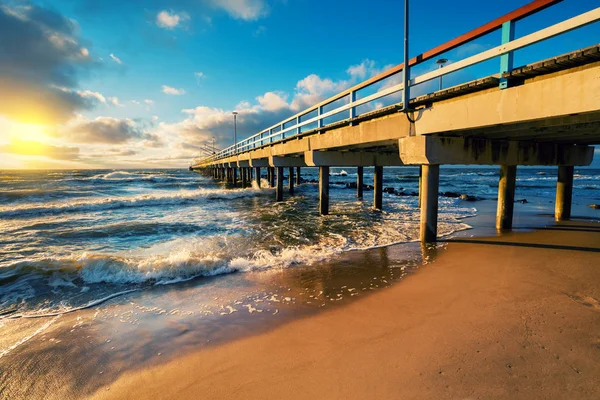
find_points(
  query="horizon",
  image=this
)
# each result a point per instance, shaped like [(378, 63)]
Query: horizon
[(148, 87)]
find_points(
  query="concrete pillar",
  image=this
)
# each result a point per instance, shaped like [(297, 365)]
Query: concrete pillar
[(234, 176), (429, 203), (420, 183), (564, 193), (279, 189), (271, 173), (359, 182), (291, 180), (257, 175), (506, 196), (298, 179), (228, 175), (378, 188), (244, 174), (324, 190)]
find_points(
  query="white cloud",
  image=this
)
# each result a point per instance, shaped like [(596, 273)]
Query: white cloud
[(101, 130), (249, 10), (88, 94), (149, 102), (172, 91), (167, 20), (202, 123), (116, 59), (115, 101)]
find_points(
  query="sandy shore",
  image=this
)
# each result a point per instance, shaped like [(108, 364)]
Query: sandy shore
[(515, 316)]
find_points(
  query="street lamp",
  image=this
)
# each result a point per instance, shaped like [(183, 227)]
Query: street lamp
[(234, 132), (441, 63), (213, 138)]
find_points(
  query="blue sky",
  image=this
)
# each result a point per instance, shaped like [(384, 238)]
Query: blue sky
[(148, 82)]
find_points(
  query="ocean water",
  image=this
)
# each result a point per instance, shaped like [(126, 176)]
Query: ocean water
[(74, 239)]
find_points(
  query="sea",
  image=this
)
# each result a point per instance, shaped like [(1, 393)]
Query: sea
[(176, 254)]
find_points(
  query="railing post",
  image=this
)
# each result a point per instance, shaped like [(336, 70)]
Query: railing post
[(506, 60), (352, 109), (320, 121), (297, 127)]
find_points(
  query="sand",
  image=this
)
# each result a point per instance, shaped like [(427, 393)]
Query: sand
[(509, 317)]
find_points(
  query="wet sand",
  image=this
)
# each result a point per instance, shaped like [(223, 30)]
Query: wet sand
[(513, 316)]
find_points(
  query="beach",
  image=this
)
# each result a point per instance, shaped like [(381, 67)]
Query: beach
[(191, 289), (513, 316)]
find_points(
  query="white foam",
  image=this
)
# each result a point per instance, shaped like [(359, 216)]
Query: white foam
[(110, 203)]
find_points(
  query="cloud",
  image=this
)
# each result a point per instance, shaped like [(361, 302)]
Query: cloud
[(116, 59), (115, 101), (41, 53), (202, 123), (171, 20), (35, 148), (149, 102), (248, 10), (259, 31), (105, 130), (172, 91)]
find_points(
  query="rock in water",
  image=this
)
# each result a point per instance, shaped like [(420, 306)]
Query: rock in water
[(594, 206)]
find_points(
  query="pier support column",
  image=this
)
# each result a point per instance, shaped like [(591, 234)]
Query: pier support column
[(506, 196), (271, 176), (429, 202), (298, 179), (244, 174), (291, 180), (257, 176), (359, 181), (279, 189), (324, 190), (420, 183), (228, 175), (234, 176), (564, 193), (378, 188)]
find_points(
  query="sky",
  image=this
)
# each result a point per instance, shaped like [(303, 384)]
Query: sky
[(147, 84)]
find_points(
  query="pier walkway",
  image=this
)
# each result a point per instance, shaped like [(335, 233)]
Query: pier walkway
[(544, 113)]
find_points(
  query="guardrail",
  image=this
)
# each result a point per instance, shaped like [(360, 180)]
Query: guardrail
[(293, 125)]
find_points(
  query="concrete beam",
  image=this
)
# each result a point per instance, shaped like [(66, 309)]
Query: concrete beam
[(243, 163), (275, 161), (419, 150), (259, 162), (351, 159)]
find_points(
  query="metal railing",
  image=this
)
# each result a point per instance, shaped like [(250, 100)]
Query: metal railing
[(292, 126)]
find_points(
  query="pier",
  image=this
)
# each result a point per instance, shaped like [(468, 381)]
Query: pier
[(545, 113)]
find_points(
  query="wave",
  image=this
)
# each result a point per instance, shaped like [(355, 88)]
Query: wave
[(111, 203)]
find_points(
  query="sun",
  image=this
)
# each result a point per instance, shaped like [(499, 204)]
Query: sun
[(27, 132)]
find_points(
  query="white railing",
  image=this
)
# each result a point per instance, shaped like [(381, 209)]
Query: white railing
[(280, 131)]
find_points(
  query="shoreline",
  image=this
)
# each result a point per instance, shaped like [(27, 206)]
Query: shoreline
[(522, 324)]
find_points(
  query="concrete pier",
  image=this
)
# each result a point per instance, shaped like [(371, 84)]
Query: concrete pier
[(279, 189), (429, 203), (324, 190), (257, 176), (506, 196), (378, 188), (564, 193), (234, 176), (271, 176), (291, 180), (298, 178), (244, 173), (359, 182)]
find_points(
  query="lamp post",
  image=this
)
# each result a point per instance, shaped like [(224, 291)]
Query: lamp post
[(234, 132), (441, 63), (213, 138), (406, 68)]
